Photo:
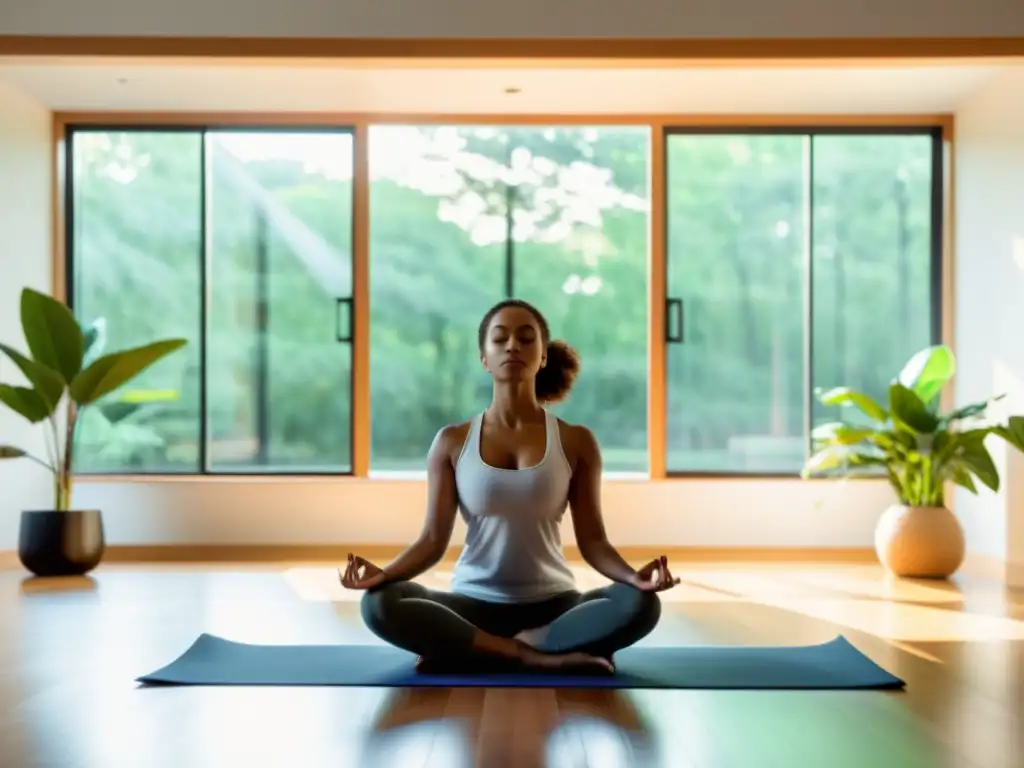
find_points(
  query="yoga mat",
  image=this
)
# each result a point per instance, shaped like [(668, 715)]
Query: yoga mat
[(836, 664)]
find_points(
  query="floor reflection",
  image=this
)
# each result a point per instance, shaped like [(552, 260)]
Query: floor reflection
[(50, 584), (488, 727)]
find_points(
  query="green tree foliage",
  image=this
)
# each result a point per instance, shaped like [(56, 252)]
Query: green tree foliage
[(439, 206)]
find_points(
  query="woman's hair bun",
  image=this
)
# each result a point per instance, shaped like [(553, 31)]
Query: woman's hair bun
[(555, 379)]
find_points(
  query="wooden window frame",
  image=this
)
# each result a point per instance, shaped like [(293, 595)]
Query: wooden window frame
[(659, 125)]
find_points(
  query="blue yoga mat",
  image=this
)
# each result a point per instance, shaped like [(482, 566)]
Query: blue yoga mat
[(837, 664)]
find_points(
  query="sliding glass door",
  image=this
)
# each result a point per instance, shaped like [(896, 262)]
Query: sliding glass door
[(796, 260), (241, 242)]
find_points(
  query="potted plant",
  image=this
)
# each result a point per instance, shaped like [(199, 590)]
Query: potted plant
[(62, 380), (921, 451)]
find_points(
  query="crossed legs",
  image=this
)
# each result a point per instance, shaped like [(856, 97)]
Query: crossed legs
[(442, 625), (603, 621)]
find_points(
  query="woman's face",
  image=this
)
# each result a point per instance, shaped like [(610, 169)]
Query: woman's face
[(513, 348)]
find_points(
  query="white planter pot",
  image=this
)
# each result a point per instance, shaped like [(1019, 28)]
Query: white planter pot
[(919, 542)]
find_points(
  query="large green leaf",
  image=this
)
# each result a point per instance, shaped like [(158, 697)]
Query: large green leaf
[(861, 460), (10, 452), (847, 396), (841, 433), (978, 460), (908, 409), (823, 461), (137, 404), (963, 478), (927, 372), (1013, 432), (970, 438), (841, 456), (114, 370), (53, 335), (25, 402), (956, 444), (46, 382)]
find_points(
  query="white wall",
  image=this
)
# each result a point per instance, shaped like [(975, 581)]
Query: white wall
[(770, 513), (522, 18), (736, 513), (990, 298), (25, 259)]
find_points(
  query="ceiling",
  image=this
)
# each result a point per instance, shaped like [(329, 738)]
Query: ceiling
[(445, 88)]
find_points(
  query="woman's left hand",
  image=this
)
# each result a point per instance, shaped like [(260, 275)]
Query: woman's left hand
[(655, 576), (361, 574)]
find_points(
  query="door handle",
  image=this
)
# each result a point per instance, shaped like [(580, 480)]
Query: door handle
[(674, 321), (343, 336)]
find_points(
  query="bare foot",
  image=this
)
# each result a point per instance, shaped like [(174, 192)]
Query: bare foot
[(519, 651), (565, 662)]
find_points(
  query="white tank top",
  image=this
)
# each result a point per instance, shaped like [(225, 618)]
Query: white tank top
[(513, 550)]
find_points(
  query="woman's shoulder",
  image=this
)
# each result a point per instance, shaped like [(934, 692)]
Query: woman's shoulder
[(575, 431), (451, 437), (578, 441)]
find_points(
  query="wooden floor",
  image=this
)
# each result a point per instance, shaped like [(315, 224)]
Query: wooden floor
[(69, 652)]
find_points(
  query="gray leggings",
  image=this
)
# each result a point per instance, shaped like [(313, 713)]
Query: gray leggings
[(436, 624)]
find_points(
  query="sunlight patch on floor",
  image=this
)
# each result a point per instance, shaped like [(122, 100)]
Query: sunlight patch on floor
[(879, 587), (914, 651), (860, 582), (322, 584), (911, 623), (893, 610), (749, 584)]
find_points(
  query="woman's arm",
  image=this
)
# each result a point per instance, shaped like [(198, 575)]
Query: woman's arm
[(442, 503), (585, 501), (587, 521)]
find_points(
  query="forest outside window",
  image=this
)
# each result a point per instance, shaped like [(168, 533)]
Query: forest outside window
[(239, 241), (796, 260), (464, 216)]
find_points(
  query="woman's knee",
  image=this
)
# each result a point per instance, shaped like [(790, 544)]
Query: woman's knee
[(378, 607), (643, 607)]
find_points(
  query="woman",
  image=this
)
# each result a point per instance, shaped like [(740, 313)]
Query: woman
[(512, 471)]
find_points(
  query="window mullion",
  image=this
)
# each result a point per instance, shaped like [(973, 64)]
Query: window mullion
[(204, 303), (808, 388)]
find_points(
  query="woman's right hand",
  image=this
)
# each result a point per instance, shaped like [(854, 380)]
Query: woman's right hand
[(361, 574)]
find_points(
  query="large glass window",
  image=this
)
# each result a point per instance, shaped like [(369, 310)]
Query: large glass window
[(239, 241), (875, 280), (796, 260), (464, 216), (135, 242)]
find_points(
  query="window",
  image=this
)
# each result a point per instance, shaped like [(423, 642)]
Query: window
[(796, 260), (241, 242), (135, 240), (464, 216)]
